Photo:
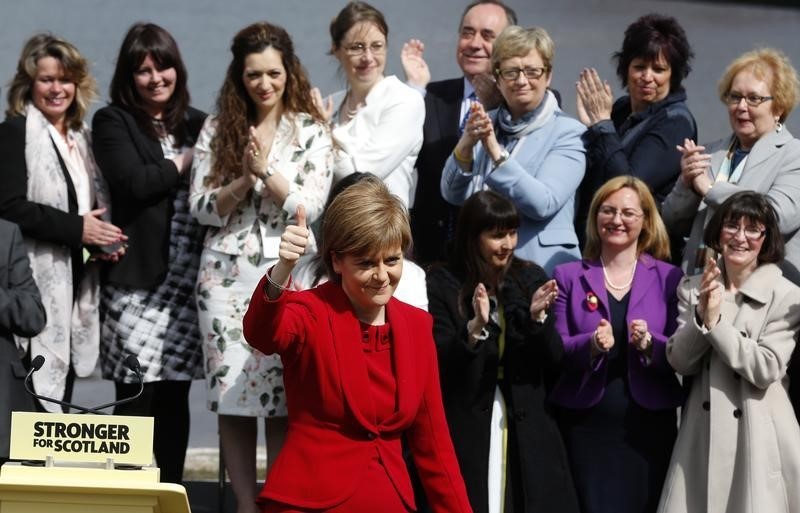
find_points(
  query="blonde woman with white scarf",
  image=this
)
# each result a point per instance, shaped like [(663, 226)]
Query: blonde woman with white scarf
[(51, 189)]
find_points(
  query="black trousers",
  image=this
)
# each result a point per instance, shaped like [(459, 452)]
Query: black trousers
[(168, 403)]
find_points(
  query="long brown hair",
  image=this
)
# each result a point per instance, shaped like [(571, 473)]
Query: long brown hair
[(235, 110), (145, 39)]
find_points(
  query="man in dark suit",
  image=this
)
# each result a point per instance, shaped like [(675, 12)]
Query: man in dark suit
[(22, 314), (446, 104)]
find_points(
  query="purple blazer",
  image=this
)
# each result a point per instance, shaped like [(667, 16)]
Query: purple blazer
[(653, 384)]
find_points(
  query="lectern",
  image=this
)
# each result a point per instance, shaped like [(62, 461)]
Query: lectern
[(84, 464)]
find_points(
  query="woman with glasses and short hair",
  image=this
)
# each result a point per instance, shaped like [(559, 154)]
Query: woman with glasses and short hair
[(617, 394), (738, 449), (760, 88), (377, 121), (527, 150)]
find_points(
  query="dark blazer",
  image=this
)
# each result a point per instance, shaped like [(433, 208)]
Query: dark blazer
[(653, 383), (36, 221), (142, 185), (21, 313), (432, 218), (333, 433), (531, 359)]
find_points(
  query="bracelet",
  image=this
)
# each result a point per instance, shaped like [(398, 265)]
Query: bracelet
[(460, 157), (275, 284), (233, 193), (541, 318)]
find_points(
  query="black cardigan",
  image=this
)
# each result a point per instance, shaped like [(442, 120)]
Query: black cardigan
[(142, 185), (469, 376)]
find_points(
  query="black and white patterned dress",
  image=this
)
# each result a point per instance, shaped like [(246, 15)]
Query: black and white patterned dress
[(158, 326)]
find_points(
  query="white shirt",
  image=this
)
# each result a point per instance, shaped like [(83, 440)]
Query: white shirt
[(383, 138)]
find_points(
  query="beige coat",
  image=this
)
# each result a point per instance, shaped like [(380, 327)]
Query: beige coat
[(738, 449)]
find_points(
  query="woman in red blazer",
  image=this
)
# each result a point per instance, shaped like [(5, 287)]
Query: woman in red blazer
[(360, 369)]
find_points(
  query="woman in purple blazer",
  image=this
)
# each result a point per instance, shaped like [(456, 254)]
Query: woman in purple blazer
[(615, 311)]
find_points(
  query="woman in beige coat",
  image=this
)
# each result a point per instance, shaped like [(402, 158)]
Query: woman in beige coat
[(738, 449)]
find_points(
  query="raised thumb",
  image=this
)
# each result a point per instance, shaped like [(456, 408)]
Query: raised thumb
[(300, 215)]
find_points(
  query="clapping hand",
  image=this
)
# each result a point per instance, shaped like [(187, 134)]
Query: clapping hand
[(603, 338), (414, 65), (594, 98), (480, 306), (640, 336), (708, 308), (543, 298), (694, 165), (255, 157)]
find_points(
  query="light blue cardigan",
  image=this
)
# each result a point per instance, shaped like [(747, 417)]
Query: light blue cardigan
[(541, 178)]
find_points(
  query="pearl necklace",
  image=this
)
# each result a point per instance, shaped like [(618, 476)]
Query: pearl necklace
[(611, 284), (351, 112)]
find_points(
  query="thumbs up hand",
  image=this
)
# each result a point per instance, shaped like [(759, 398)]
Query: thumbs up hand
[(294, 239)]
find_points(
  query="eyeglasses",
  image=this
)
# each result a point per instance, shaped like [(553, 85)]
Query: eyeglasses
[(512, 74), (752, 100), (358, 49), (751, 233), (628, 215)]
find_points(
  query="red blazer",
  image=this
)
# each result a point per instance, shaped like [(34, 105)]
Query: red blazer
[(333, 432)]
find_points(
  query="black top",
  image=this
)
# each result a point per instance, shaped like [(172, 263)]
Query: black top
[(142, 185)]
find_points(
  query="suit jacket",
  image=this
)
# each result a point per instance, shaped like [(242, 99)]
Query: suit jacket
[(652, 382), (22, 314), (738, 449), (432, 218), (772, 168), (469, 374), (142, 184), (333, 433)]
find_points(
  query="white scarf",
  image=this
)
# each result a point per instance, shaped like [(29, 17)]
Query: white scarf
[(72, 332)]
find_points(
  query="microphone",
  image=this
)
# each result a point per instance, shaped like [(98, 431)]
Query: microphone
[(36, 364), (130, 362)]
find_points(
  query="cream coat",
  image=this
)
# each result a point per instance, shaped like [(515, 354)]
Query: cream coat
[(738, 449)]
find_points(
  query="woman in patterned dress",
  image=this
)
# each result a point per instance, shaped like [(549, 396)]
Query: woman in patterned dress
[(266, 151), (144, 149)]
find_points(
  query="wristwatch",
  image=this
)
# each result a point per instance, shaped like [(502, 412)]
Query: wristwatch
[(504, 155)]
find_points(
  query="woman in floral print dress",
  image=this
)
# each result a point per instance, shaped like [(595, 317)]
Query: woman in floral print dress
[(266, 151)]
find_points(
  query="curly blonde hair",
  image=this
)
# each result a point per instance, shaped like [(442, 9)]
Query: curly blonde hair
[(76, 70), (235, 109)]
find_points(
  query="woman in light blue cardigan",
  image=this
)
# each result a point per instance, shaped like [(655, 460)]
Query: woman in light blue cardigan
[(527, 150)]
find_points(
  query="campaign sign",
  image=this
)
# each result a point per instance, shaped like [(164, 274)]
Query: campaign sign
[(86, 438)]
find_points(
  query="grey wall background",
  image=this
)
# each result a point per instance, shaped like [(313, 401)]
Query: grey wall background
[(586, 33)]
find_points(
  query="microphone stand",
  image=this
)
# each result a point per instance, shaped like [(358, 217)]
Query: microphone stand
[(130, 362)]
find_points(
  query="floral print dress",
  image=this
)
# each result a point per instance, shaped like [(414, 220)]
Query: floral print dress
[(238, 249)]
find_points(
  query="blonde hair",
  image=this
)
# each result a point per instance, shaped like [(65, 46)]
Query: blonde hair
[(653, 238), (76, 69), (516, 41), (364, 219), (773, 67)]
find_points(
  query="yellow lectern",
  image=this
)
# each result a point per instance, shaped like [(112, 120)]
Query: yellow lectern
[(80, 454)]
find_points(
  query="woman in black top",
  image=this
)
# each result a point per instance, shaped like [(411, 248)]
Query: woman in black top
[(144, 148), (498, 350)]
